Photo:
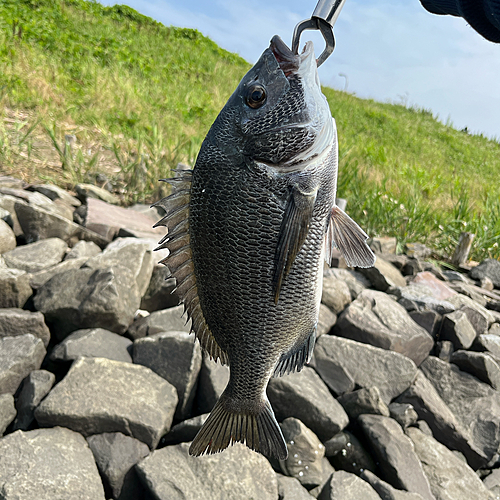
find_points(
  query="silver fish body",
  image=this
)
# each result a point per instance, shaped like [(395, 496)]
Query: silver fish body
[(249, 229)]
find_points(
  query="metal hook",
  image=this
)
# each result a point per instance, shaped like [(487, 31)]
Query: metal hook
[(323, 18)]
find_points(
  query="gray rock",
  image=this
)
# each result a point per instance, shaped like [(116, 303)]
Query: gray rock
[(489, 268), (457, 328), (390, 372), (490, 344), (93, 343), (443, 424), (184, 431), (238, 472), (87, 298), (428, 319), (417, 250), (328, 470), (95, 397), (423, 296), (486, 283), (479, 364), (492, 480), (115, 455), (7, 411), (494, 329), (37, 280), (56, 193), (15, 287), (34, 388), (212, 381), (132, 253), (6, 181), (7, 237), (37, 256), (176, 357), (336, 294), (168, 320), (86, 191), (444, 350), (449, 477), (385, 490), (289, 488), (305, 453), (47, 464), (383, 275), (404, 414), (354, 279), (470, 291), (385, 244), (461, 302), (375, 319), (18, 357), (475, 404), (326, 320), (8, 203), (14, 321), (397, 460), (411, 267), (82, 249), (363, 401), (346, 486), (6, 216), (305, 396), (439, 290), (159, 294)]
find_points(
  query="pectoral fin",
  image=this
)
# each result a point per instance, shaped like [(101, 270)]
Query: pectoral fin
[(349, 238), (293, 232)]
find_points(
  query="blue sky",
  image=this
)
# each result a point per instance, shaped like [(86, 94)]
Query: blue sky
[(388, 50)]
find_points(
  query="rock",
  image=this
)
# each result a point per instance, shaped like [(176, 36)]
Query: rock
[(422, 296), (37, 256), (444, 349), (404, 414), (14, 321), (18, 357), (237, 473), (34, 388), (8, 203), (336, 294), (489, 268), (383, 275), (176, 357), (397, 460), (111, 221), (159, 294), (492, 481), (346, 486), (37, 280), (6, 181), (132, 253), (477, 320), (444, 425), (15, 289), (47, 464), (449, 477), (88, 298), (304, 396), (89, 191), (386, 244), (375, 319), (7, 411), (347, 453), (83, 249), (305, 453), (479, 364), (289, 488), (328, 470), (469, 291), (389, 371), (363, 401), (212, 381), (56, 193), (494, 329), (475, 404), (461, 302), (93, 343), (354, 280), (385, 490), (115, 455), (486, 283), (440, 290), (168, 320), (6, 216), (411, 267), (94, 398), (7, 237), (326, 320), (428, 319), (184, 431), (489, 343), (457, 328), (417, 250)]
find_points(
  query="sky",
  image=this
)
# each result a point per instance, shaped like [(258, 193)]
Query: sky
[(387, 50)]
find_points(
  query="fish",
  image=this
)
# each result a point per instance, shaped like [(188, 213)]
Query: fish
[(249, 228)]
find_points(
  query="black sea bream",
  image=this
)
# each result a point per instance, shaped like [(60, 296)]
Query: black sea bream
[(249, 229)]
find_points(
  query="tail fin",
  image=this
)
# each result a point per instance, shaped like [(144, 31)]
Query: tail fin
[(258, 429)]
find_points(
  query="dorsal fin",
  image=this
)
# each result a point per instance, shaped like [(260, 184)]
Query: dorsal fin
[(179, 260)]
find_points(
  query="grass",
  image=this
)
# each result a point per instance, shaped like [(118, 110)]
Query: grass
[(139, 97)]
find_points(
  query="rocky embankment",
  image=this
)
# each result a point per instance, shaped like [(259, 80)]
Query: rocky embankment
[(102, 388)]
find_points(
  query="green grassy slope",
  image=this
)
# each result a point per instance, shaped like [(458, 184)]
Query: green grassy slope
[(139, 97)]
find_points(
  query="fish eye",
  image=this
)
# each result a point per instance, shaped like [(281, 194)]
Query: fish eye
[(256, 96)]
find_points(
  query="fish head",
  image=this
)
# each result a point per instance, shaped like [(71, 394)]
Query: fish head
[(282, 118)]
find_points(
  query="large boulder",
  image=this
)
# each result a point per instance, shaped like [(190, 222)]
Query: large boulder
[(100, 395), (46, 464)]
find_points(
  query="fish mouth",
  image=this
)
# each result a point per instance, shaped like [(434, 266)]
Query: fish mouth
[(289, 62)]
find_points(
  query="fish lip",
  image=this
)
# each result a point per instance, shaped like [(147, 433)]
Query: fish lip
[(289, 62)]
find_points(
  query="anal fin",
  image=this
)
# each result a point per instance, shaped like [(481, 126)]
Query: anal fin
[(295, 359)]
